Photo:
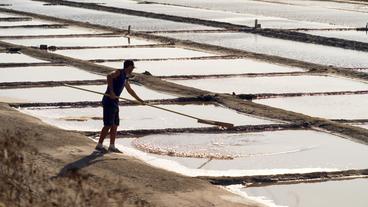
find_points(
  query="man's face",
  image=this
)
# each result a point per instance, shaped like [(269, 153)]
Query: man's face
[(129, 70)]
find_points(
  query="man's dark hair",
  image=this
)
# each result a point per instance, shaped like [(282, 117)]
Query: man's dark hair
[(128, 63)]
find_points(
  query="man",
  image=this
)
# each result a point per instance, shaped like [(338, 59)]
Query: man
[(116, 81)]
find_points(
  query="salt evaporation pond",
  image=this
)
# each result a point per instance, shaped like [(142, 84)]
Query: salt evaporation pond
[(103, 18), (131, 53), (360, 36), (313, 53), (206, 67), (354, 6), (6, 15), (19, 23), (65, 94), (169, 9), (45, 73), (365, 126), (18, 58), (260, 153), (46, 31), (339, 193), (329, 13), (80, 41), (329, 107), (140, 117), (276, 23), (276, 84), (221, 16)]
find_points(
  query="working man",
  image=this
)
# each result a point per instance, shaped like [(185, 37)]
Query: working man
[(116, 81)]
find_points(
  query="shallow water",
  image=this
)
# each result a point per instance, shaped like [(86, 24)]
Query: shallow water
[(65, 94), (330, 107), (131, 53), (275, 23), (5, 14), (18, 58), (46, 31), (313, 53), (277, 84), (104, 18), (206, 67), (365, 126), (221, 16), (141, 117), (359, 36), (169, 10), (45, 73), (264, 153), (331, 193), (329, 13), (17, 23), (79, 41)]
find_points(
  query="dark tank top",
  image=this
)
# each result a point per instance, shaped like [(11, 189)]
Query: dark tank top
[(118, 84)]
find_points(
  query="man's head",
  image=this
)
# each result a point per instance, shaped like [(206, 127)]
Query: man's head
[(128, 66)]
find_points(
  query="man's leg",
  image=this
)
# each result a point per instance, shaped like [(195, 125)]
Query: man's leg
[(108, 116), (113, 131), (103, 134)]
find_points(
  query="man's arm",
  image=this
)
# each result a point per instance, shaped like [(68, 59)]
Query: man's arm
[(132, 92), (110, 78)]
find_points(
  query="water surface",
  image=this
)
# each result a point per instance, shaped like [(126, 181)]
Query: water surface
[(80, 41), (276, 84), (17, 58), (331, 193), (65, 94), (206, 67), (263, 153), (313, 53), (45, 73), (141, 117), (330, 107), (131, 53)]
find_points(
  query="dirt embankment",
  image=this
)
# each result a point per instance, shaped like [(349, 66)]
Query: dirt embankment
[(41, 165)]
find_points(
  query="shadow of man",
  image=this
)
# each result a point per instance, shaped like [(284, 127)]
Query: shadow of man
[(81, 163)]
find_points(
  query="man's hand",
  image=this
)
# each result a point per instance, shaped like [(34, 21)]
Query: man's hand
[(132, 93)]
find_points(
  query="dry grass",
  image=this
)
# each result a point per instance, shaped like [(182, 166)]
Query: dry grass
[(25, 183)]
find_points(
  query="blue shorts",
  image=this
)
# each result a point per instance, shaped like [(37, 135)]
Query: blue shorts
[(111, 115)]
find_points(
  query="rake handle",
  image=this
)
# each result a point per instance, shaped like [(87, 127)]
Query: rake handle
[(125, 99)]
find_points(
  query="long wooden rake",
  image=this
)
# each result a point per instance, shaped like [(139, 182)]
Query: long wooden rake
[(199, 120)]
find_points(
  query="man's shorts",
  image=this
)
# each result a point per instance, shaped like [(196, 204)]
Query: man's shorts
[(111, 115)]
